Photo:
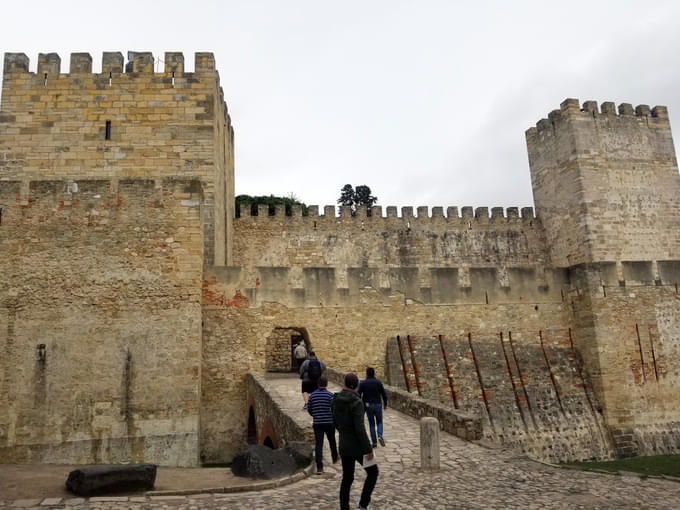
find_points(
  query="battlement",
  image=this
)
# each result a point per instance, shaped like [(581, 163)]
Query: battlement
[(571, 109), (49, 64), (353, 286), (375, 214), (457, 285)]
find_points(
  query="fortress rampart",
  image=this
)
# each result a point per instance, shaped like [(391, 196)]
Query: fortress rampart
[(132, 289), (389, 244)]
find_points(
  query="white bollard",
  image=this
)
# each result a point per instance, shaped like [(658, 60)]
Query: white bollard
[(429, 444)]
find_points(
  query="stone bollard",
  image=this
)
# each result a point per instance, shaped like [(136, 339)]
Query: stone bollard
[(429, 444)]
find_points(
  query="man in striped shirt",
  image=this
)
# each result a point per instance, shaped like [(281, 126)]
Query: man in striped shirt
[(319, 406)]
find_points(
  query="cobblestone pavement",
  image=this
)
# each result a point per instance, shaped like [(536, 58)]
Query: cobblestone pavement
[(471, 476)]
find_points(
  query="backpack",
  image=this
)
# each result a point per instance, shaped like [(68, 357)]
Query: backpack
[(314, 369)]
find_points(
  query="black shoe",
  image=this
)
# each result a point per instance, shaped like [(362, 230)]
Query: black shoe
[(382, 441)]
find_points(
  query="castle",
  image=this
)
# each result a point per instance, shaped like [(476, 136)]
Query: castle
[(134, 299)]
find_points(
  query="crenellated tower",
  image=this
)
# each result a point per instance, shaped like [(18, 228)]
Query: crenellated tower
[(607, 191), (606, 183), (126, 122)]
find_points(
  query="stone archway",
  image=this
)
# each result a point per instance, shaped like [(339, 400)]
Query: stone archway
[(279, 348)]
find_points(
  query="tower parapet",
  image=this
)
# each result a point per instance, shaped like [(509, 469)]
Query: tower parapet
[(112, 62)]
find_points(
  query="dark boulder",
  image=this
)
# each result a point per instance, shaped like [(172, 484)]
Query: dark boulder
[(259, 461), (108, 479), (301, 452)]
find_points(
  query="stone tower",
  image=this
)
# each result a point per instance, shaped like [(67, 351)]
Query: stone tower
[(127, 122), (606, 185), (116, 189), (607, 190)]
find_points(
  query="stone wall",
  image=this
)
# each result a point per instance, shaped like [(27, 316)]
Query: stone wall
[(630, 336), (271, 416), (529, 387), (346, 337), (121, 124), (378, 243), (100, 321)]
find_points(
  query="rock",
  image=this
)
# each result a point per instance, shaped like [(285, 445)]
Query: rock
[(301, 452), (107, 479), (259, 461)]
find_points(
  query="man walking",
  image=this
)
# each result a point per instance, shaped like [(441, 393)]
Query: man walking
[(348, 413), (371, 391), (319, 406), (300, 353), (310, 371)]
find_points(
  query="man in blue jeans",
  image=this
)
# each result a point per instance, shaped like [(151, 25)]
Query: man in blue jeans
[(372, 391)]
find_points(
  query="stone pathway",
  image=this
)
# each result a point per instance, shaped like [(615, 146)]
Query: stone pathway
[(471, 476)]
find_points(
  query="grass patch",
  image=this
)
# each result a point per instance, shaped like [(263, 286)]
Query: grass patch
[(668, 465)]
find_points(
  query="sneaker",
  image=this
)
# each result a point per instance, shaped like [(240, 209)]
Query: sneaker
[(382, 441), (362, 507), (375, 445), (319, 471)]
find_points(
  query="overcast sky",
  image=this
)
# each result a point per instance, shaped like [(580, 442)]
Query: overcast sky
[(424, 101)]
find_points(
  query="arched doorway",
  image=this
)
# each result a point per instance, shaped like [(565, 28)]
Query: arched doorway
[(280, 344)]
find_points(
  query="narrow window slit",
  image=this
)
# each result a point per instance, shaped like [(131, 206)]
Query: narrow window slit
[(110, 77), (45, 82), (0, 216), (173, 78), (107, 135)]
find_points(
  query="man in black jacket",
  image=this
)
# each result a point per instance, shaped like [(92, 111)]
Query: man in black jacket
[(372, 392), (348, 413)]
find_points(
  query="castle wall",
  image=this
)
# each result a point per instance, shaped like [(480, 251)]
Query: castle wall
[(133, 303), (121, 125), (347, 336), (383, 242), (529, 387), (606, 185), (100, 321), (630, 338)]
